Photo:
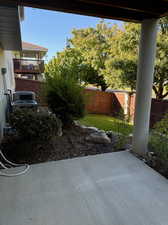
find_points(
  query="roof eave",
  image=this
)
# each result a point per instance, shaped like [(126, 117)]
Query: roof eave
[(10, 37)]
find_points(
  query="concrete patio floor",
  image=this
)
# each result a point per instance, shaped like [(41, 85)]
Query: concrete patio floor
[(107, 189)]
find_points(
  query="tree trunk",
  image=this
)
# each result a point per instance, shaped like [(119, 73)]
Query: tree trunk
[(158, 92), (104, 87), (161, 96)]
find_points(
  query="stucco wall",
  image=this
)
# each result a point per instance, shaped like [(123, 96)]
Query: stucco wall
[(8, 81)]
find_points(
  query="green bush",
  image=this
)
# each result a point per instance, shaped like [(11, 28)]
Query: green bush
[(32, 125), (65, 98), (158, 141)]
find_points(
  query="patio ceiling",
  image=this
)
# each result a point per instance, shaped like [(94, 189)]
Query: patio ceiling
[(128, 10)]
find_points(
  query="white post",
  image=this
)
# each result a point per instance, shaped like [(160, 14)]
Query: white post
[(144, 85)]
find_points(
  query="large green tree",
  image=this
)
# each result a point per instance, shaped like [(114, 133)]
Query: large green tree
[(70, 63), (107, 56), (122, 65), (94, 45)]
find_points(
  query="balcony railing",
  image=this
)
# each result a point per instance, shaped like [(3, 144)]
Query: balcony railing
[(28, 66)]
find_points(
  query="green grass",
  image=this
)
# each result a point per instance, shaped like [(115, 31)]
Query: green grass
[(107, 123)]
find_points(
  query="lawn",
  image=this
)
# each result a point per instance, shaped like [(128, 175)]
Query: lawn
[(107, 123)]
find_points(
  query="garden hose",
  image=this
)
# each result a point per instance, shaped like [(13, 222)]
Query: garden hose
[(8, 164)]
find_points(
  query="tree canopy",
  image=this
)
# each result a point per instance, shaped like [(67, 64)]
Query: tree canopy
[(123, 62), (70, 62), (107, 56)]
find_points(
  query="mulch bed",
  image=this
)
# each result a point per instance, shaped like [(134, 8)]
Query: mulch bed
[(71, 144), (153, 161)]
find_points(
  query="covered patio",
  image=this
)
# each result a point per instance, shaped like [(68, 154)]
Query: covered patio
[(113, 188), (146, 13)]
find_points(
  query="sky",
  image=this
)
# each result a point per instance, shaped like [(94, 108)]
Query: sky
[(51, 29)]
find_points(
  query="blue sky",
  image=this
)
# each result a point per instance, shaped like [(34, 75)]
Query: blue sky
[(50, 29)]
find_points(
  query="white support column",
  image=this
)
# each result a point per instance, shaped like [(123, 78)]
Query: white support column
[(144, 85)]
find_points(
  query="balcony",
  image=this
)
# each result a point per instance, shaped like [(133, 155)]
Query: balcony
[(28, 66)]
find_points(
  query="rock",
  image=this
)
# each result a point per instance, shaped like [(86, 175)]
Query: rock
[(84, 130), (98, 137), (119, 140), (91, 129), (92, 134)]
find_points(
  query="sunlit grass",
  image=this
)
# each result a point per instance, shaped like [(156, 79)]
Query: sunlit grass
[(107, 123)]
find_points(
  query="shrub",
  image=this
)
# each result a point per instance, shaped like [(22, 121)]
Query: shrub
[(65, 98), (32, 125), (158, 141)]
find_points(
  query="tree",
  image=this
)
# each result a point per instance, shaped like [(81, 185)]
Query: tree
[(65, 97), (94, 45), (66, 63), (107, 56), (70, 63), (121, 65), (123, 60)]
